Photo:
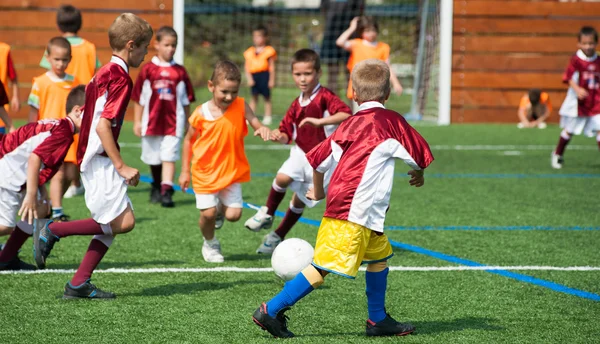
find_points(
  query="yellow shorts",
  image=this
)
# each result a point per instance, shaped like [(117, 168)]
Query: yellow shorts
[(342, 246)]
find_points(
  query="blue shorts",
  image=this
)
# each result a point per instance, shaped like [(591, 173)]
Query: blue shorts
[(2, 130), (261, 84)]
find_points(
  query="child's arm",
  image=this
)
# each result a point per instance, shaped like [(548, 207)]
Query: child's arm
[(581, 92), (522, 116), (15, 103), (394, 79), (6, 118), (271, 72), (137, 119), (104, 131), (317, 192), (319, 122), (259, 128), (248, 75), (33, 114), (28, 210), (342, 41), (184, 176)]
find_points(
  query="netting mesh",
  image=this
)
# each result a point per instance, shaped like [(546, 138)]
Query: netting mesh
[(223, 29)]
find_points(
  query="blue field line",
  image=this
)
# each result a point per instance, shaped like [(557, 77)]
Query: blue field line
[(448, 258), (479, 175)]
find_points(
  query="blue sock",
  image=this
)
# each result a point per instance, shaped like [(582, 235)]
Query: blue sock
[(292, 291), (56, 212), (376, 285)]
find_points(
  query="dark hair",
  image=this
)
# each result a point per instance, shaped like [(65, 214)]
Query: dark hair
[(68, 19), (60, 42), (366, 22), (588, 31), (534, 96), (262, 29), (226, 70), (76, 97), (307, 55), (165, 31)]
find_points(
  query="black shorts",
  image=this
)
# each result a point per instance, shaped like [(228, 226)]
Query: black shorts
[(261, 84)]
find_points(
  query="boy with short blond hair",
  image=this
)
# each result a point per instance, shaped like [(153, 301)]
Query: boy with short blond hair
[(215, 144), (103, 171), (362, 152), (162, 95), (309, 120)]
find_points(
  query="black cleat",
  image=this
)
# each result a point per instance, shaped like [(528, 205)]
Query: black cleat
[(277, 326), (388, 327), (16, 264), (43, 241), (155, 196), (166, 199), (86, 291)]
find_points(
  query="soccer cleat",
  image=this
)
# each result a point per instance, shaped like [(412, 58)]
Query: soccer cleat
[(43, 241), (166, 199), (388, 327), (73, 191), (61, 218), (155, 196), (1, 247), (261, 220), (86, 291), (267, 120), (212, 252), (270, 241), (277, 326), (219, 221), (16, 264), (556, 161)]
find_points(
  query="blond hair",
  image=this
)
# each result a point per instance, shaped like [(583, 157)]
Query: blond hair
[(129, 27), (226, 70), (371, 81)]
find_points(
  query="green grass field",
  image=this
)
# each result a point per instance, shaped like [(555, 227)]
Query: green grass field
[(484, 202)]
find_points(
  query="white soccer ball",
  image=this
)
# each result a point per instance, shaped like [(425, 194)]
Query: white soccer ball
[(290, 257)]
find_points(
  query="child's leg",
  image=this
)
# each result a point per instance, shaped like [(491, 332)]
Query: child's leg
[(207, 223), (598, 138), (376, 277), (18, 236), (292, 216), (168, 174), (303, 284), (565, 137), (157, 172), (231, 202), (268, 107), (277, 193), (232, 214), (253, 102), (57, 189)]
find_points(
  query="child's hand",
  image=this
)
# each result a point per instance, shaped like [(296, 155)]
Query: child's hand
[(398, 90), (15, 105), (354, 23), (131, 175), (263, 132), (11, 129), (416, 178), (581, 93), (275, 135), (137, 129), (28, 211), (271, 83), (251, 82), (313, 196), (315, 122), (184, 181)]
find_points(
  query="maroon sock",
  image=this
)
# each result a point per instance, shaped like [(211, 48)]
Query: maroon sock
[(13, 244), (78, 227), (92, 258), (289, 220), (274, 200), (562, 144), (156, 174), (164, 188)]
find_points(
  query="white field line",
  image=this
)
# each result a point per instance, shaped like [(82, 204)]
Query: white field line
[(255, 270), (434, 147)]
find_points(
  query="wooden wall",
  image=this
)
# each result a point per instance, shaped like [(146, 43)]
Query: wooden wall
[(27, 25), (502, 48)]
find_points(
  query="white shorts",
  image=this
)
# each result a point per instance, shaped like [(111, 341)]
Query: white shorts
[(578, 125), (299, 169), (105, 190), (156, 149), (230, 197), (10, 203)]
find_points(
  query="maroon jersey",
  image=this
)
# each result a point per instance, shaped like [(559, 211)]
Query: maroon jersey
[(50, 139), (322, 103), (588, 71), (163, 89), (106, 96), (362, 152), (3, 95)]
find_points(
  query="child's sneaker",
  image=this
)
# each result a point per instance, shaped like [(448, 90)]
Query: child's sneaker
[(16, 264), (260, 220), (73, 191), (556, 161), (43, 241), (166, 199), (86, 291), (270, 241), (155, 196), (277, 326), (219, 220), (388, 327), (212, 251)]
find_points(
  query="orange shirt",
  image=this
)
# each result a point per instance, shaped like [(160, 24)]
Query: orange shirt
[(84, 60), (49, 95), (360, 51), (219, 159), (525, 104), (4, 51), (259, 62)]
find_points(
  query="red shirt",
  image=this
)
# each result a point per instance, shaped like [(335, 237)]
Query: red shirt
[(323, 103), (362, 153), (106, 96), (50, 139), (163, 89), (588, 71)]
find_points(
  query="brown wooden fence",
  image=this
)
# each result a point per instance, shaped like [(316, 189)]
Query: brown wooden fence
[(503, 48), (27, 25)]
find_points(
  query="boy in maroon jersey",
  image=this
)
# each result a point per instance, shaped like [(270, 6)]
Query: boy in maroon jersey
[(29, 157), (310, 119), (104, 174), (583, 76), (362, 154), (162, 95)]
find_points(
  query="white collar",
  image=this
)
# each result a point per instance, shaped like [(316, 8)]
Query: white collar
[(71, 123), (55, 78), (584, 57), (120, 62), (160, 63), (370, 105), (312, 96)]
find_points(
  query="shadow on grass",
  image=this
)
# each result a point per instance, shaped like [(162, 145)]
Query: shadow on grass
[(110, 265), (190, 288), (247, 257)]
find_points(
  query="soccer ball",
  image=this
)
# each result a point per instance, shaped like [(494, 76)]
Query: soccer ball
[(290, 257)]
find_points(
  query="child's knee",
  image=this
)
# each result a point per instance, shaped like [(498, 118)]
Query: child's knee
[(314, 276), (377, 267), (281, 182), (209, 214), (233, 214), (5, 230)]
